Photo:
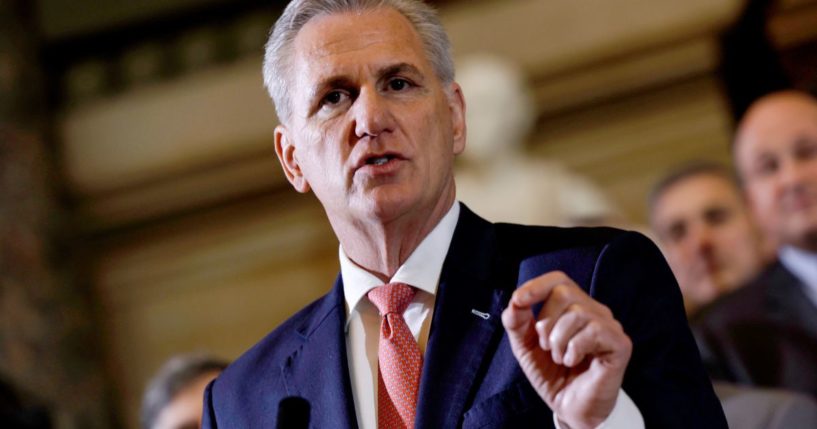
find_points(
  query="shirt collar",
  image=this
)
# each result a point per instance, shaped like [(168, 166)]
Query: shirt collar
[(421, 270), (801, 263)]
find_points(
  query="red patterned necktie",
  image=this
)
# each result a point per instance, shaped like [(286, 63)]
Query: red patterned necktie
[(399, 358)]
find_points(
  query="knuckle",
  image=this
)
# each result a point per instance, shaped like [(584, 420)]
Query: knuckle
[(595, 329), (605, 311), (554, 335), (574, 345), (561, 292), (569, 350), (616, 326), (576, 315), (577, 310)]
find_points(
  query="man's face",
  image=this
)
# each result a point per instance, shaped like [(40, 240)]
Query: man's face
[(707, 236), (776, 153), (373, 131)]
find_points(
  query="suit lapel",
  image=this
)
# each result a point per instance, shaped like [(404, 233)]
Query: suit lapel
[(318, 370), (466, 323), (788, 300)]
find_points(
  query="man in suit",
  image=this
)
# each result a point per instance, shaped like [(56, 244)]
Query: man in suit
[(482, 325), (766, 333), (712, 244), (701, 220)]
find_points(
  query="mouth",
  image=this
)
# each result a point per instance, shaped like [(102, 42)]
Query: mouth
[(379, 160), (797, 202)]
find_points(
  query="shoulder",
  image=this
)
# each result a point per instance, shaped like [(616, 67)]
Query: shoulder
[(603, 261), (264, 360), (577, 243), (527, 240), (747, 302)]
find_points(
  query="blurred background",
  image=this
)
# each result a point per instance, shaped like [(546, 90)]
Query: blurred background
[(143, 212)]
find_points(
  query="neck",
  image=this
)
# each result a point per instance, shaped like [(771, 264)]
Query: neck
[(381, 247), (807, 243)]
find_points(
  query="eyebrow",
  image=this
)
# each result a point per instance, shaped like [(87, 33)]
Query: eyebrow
[(398, 69), (804, 139)]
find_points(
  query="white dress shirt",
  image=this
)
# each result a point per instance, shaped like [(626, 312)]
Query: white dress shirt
[(804, 266), (422, 271)]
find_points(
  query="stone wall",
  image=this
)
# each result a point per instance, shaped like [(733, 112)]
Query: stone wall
[(47, 345)]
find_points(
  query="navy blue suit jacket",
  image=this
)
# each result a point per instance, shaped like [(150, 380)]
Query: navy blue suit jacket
[(470, 378)]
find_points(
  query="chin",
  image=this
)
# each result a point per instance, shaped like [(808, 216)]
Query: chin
[(385, 206)]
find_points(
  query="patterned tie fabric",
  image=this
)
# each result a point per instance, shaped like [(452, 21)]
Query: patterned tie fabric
[(399, 358)]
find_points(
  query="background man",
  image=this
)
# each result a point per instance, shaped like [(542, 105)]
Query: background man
[(766, 333), (706, 232), (172, 399), (414, 334)]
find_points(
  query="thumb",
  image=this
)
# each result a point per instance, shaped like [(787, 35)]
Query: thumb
[(518, 323)]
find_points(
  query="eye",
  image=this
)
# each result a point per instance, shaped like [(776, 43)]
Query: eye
[(676, 232), (717, 215), (398, 84), (806, 150), (766, 166), (333, 98)]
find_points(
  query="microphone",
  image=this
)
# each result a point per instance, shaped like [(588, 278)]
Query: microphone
[(293, 413)]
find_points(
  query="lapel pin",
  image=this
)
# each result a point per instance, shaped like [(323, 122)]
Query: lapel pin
[(485, 316)]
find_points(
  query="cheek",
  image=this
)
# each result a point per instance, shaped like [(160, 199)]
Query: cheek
[(323, 152), (678, 254), (761, 200), (812, 172)]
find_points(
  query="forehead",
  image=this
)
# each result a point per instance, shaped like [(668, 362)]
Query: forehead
[(689, 196), (775, 125), (339, 43)]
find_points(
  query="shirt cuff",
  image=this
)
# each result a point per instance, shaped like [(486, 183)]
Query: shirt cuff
[(625, 414)]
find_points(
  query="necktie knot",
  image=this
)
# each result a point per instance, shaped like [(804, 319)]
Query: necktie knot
[(391, 298)]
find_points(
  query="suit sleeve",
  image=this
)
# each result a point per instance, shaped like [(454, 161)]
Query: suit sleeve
[(665, 377), (208, 417)]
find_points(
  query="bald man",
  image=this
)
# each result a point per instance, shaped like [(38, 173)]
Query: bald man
[(766, 333)]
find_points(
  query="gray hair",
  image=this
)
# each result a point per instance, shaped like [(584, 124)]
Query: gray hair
[(276, 68), (179, 372)]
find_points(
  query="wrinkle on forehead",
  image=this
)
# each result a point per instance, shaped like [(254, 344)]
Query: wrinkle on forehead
[(343, 45)]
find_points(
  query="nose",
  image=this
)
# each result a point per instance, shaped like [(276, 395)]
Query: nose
[(371, 114), (702, 242)]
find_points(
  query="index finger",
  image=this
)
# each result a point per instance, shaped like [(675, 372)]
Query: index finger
[(538, 289)]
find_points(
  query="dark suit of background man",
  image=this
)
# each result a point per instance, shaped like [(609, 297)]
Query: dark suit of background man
[(766, 333), (371, 120)]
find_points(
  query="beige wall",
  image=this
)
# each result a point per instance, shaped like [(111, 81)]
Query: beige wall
[(215, 281), (203, 246)]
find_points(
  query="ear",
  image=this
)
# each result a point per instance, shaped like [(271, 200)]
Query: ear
[(285, 149), (456, 103)]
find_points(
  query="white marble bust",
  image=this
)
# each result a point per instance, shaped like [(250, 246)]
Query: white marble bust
[(495, 175)]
